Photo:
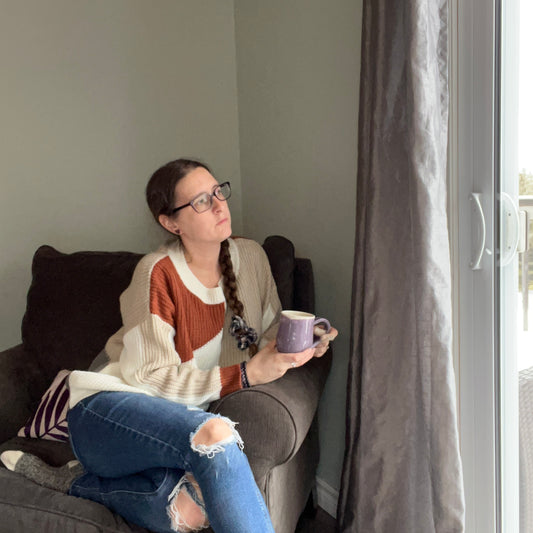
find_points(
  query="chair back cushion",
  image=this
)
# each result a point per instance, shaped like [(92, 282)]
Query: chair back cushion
[(280, 253), (73, 305), (293, 275)]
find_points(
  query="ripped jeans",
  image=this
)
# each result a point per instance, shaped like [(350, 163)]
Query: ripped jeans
[(138, 452)]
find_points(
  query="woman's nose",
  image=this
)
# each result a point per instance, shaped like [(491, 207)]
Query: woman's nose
[(217, 204)]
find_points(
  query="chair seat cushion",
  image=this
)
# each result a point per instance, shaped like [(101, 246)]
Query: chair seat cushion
[(26, 506)]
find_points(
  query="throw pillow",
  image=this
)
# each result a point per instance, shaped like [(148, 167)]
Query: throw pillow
[(50, 420)]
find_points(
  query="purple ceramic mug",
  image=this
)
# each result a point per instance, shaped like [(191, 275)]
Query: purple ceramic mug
[(295, 332)]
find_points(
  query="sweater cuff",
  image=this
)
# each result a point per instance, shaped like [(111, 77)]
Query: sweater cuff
[(230, 377)]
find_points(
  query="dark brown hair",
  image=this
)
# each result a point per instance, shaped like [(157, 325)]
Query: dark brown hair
[(160, 198), (162, 185)]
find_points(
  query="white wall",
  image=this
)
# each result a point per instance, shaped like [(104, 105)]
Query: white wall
[(95, 95), (298, 86)]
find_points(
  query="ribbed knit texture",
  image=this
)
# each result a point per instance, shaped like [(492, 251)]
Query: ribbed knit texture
[(175, 341)]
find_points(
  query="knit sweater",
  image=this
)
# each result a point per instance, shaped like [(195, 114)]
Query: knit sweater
[(174, 342)]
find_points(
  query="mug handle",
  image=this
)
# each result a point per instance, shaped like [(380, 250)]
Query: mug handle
[(328, 329)]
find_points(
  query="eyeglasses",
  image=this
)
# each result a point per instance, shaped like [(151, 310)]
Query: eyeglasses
[(204, 201)]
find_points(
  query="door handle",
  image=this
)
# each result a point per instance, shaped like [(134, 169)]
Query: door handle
[(475, 264)]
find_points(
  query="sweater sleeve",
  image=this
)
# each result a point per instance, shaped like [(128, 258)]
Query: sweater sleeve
[(152, 357)]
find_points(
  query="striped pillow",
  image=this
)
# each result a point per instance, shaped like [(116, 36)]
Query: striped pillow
[(50, 419)]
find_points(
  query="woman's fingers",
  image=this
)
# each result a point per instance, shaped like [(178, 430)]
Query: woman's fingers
[(320, 350), (298, 359), (269, 364), (325, 339), (320, 332)]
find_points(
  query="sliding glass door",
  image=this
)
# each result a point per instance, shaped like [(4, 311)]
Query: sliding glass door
[(491, 204)]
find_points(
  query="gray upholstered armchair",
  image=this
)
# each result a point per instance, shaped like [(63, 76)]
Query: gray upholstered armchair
[(72, 308)]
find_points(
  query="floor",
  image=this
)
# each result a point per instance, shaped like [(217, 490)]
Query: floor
[(321, 523)]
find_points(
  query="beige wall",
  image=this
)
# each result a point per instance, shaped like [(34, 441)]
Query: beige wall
[(298, 76), (95, 95)]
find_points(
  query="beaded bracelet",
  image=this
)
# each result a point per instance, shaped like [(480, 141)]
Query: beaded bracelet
[(244, 376)]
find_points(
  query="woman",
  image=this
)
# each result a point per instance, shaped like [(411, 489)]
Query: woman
[(147, 448)]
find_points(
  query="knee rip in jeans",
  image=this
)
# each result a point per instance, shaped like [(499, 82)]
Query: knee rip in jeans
[(186, 509), (212, 435)]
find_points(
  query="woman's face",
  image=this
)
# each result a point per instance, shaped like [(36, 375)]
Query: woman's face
[(211, 226)]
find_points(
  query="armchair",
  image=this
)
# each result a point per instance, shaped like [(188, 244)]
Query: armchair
[(72, 308)]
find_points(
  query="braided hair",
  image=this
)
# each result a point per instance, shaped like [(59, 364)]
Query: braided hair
[(246, 336), (160, 198)]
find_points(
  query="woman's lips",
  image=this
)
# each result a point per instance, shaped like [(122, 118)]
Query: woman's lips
[(222, 221)]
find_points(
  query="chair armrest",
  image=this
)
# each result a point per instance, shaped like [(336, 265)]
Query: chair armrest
[(21, 384), (275, 418)]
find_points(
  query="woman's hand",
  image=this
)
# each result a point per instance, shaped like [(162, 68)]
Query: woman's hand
[(268, 364), (325, 338)]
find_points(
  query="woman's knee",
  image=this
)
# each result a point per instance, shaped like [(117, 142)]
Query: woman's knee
[(186, 509), (185, 514), (213, 436), (214, 431)]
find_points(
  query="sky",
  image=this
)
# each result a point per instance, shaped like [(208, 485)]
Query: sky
[(525, 101)]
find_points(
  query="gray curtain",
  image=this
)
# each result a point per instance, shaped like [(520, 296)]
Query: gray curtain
[(402, 469)]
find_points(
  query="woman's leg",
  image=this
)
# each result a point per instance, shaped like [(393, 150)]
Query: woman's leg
[(142, 498), (137, 449)]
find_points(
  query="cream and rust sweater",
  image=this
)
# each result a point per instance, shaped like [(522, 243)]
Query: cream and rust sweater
[(175, 342)]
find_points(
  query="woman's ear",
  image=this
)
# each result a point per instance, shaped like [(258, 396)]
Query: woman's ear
[(169, 224)]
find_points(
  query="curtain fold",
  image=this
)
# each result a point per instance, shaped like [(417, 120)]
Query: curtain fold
[(402, 470)]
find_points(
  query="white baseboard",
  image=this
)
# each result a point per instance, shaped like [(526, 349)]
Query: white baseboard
[(327, 497)]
